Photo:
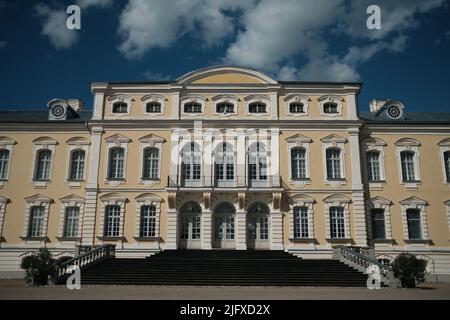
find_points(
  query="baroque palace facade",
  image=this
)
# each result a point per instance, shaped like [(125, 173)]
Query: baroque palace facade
[(225, 157)]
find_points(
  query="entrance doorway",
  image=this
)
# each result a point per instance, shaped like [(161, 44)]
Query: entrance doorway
[(224, 226), (190, 226), (258, 225)]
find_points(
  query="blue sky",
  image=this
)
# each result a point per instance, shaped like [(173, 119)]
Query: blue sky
[(138, 40)]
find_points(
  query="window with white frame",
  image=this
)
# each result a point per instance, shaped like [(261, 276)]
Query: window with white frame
[(257, 162), (147, 221), (444, 151), (331, 105), (36, 222), (296, 107), (378, 223), (151, 163), (301, 223), (225, 107), (373, 165), (407, 159), (120, 107), (153, 107), (414, 224), (43, 164), (333, 159), (224, 162), (191, 162), (77, 165), (71, 222), (116, 163), (192, 107), (446, 155), (337, 222), (112, 221), (4, 163), (298, 163), (257, 107), (330, 108)]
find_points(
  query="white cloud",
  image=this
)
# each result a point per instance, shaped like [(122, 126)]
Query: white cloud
[(54, 27), (146, 24), (84, 4), (155, 76)]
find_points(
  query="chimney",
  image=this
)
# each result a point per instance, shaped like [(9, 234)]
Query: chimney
[(376, 105), (76, 104)]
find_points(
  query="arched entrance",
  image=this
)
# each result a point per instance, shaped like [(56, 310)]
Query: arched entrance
[(190, 226), (224, 228), (258, 226)]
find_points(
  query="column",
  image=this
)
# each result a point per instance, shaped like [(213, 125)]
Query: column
[(241, 230), (241, 150), (274, 105), (359, 221), (176, 105), (206, 230), (275, 157), (90, 208), (276, 238), (98, 89), (172, 229)]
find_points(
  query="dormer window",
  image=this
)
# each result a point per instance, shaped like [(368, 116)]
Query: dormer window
[(296, 107), (153, 107), (120, 107), (224, 107), (257, 107), (330, 108), (192, 107)]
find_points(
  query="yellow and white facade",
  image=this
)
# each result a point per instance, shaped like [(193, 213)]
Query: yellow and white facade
[(225, 157)]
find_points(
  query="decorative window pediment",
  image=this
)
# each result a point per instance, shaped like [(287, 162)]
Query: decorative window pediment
[(38, 198), (298, 139), (300, 101), (120, 99), (71, 198), (442, 143), (45, 141), (333, 138), (407, 142), (337, 199), (113, 198), (374, 142), (191, 102), (258, 99), (328, 100), (153, 104), (5, 141), (148, 197), (413, 201), (381, 201), (301, 200), (117, 138), (225, 104), (78, 141), (151, 138)]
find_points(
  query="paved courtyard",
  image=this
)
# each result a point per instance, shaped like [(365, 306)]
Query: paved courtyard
[(18, 289)]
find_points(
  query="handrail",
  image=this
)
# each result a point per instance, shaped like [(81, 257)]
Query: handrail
[(94, 256), (362, 262), (205, 181)]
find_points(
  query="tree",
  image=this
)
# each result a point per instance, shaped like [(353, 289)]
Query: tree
[(39, 267), (409, 269)]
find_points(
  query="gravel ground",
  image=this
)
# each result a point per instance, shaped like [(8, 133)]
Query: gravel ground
[(18, 290)]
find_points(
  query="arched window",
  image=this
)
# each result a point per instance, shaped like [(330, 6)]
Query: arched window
[(4, 163), (77, 165), (408, 165), (71, 222), (116, 163), (447, 165), (333, 163), (257, 162), (191, 162), (190, 221), (257, 107), (298, 163), (147, 221), (296, 107), (151, 163), (112, 221), (120, 107), (36, 222), (258, 222), (43, 165), (192, 107), (373, 165), (225, 107), (330, 107), (153, 107), (224, 162), (301, 223)]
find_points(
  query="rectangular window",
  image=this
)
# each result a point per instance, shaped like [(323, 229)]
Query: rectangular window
[(229, 234), (71, 221), (4, 163), (264, 228), (116, 163), (414, 224), (44, 158), (447, 165), (296, 107), (151, 163), (77, 165), (112, 221), (153, 107), (298, 163), (36, 221), (337, 222), (301, 222), (192, 107), (120, 107), (333, 163), (378, 224), (257, 107), (373, 165), (196, 227), (148, 221), (408, 171)]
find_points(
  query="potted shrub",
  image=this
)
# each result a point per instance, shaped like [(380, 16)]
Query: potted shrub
[(409, 269), (39, 267)]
